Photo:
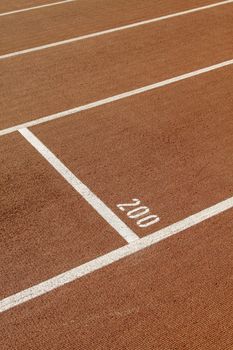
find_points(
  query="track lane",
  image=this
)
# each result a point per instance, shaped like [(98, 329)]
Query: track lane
[(168, 307), (52, 24), (177, 294), (45, 83), (12, 5), (100, 262), (96, 203), (170, 148), (46, 227)]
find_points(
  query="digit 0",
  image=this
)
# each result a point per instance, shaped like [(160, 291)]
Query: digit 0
[(148, 221), (136, 213)]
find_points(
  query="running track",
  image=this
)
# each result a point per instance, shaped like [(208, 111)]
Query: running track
[(116, 137)]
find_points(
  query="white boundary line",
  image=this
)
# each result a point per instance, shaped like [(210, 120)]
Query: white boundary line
[(106, 213), (108, 31), (113, 256), (35, 7), (114, 98)]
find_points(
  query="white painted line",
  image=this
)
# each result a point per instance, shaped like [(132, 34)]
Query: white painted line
[(36, 7), (114, 98), (108, 31), (106, 213), (115, 255)]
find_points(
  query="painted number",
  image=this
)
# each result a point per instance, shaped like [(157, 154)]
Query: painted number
[(139, 212), (134, 204)]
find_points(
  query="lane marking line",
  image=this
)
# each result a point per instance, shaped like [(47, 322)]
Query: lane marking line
[(114, 98), (117, 29), (114, 256), (36, 7), (105, 212)]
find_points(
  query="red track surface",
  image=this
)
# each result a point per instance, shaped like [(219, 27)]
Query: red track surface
[(69, 20), (165, 146), (170, 147), (53, 80), (12, 5), (43, 228), (176, 295)]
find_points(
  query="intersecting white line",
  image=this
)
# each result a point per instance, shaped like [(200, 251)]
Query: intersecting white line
[(115, 255), (106, 213)]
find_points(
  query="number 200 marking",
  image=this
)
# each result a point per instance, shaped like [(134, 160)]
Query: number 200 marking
[(138, 212)]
